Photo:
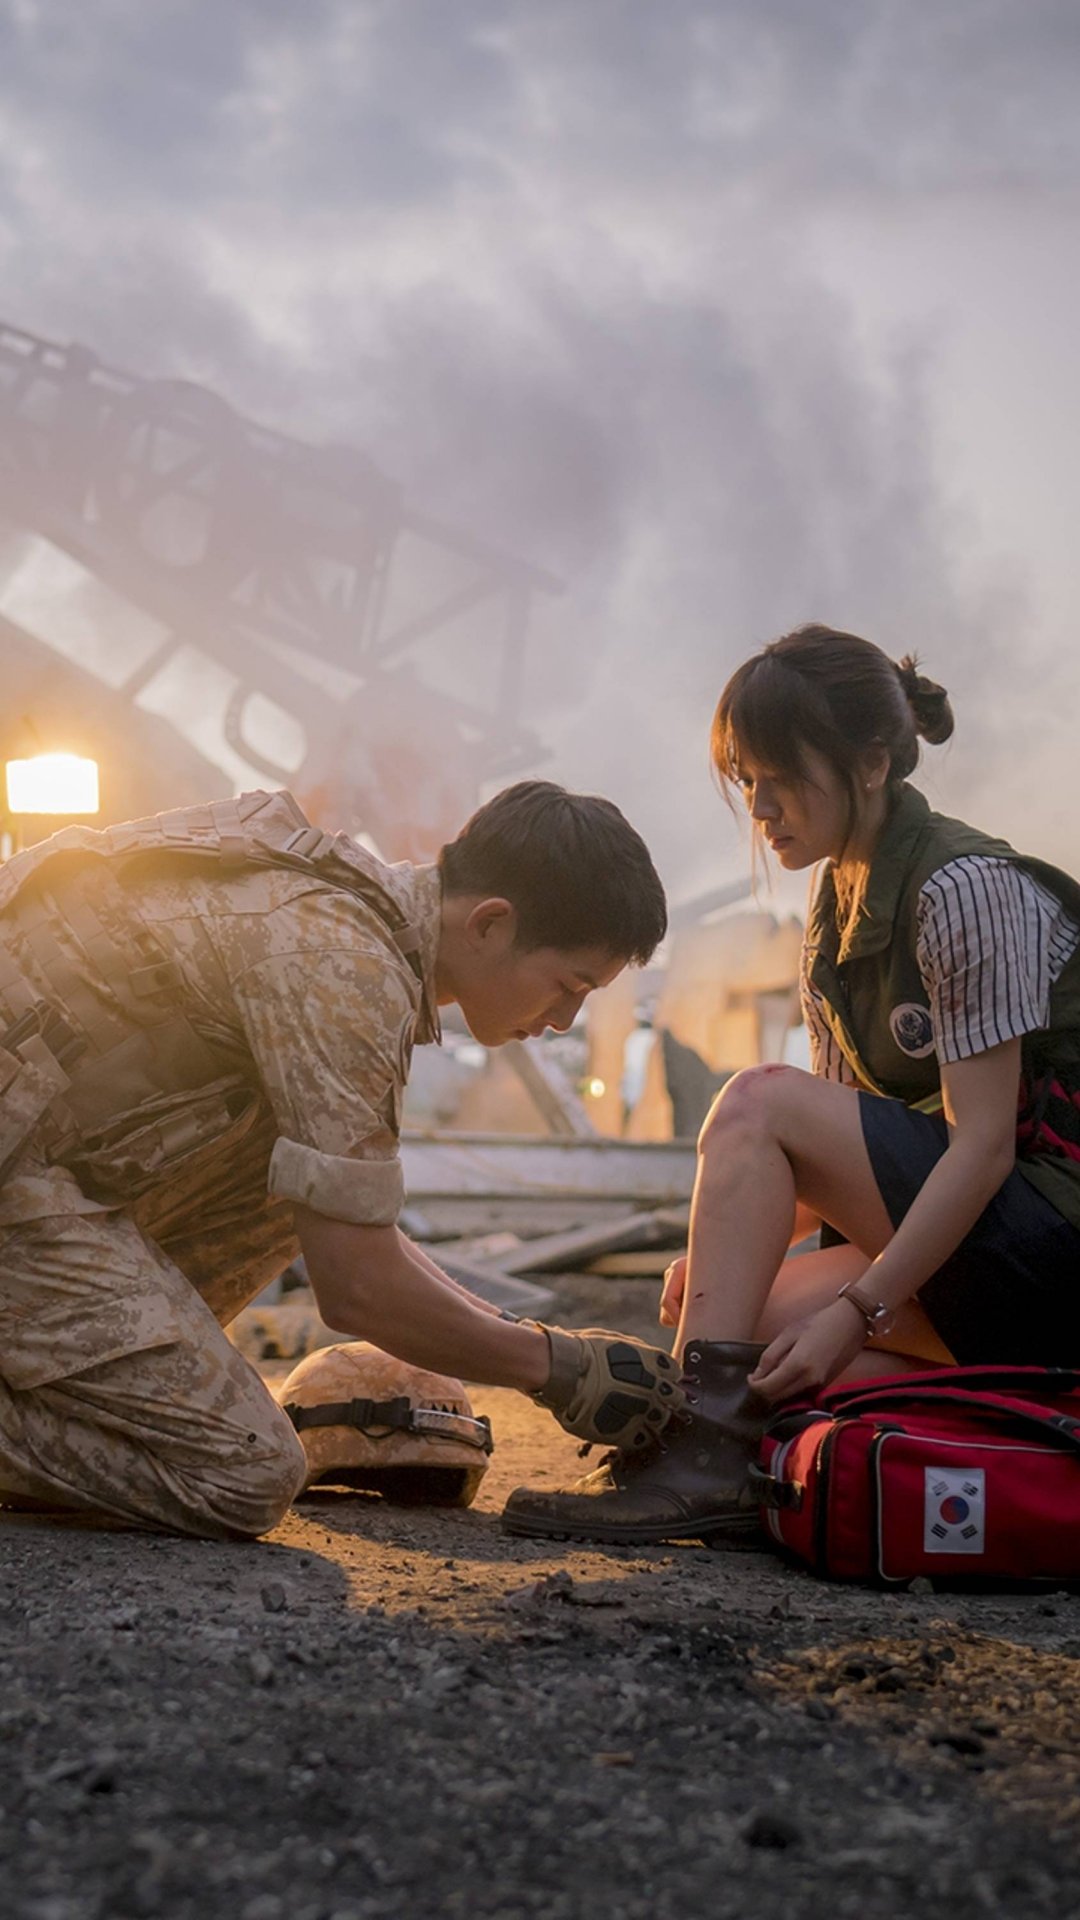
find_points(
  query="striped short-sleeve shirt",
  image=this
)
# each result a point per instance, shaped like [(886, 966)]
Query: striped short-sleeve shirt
[(991, 942)]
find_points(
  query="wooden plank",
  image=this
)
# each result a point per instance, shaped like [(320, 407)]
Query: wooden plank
[(502, 1167), (460, 1216), (570, 1252), (499, 1289), (651, 1264)]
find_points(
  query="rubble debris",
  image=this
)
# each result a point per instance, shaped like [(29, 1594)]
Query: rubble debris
[(649, 1263), (550, 1587), (572, 1252), (490, 1284)]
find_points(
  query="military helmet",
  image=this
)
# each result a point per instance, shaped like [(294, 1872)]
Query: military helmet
[(368, 1421)]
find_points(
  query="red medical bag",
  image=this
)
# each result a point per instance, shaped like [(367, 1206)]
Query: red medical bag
[(962, 1471)]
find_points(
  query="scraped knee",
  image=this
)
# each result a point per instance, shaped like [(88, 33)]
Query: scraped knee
[(748, 1103)]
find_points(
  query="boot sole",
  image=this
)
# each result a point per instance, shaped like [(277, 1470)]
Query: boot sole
[(709, 1533)]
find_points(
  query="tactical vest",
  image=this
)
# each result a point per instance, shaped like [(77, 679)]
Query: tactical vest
[(109, 1065), (876, 1006)]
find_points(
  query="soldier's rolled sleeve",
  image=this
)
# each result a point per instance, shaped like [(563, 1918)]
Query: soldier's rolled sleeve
[(330, 1017), (370, 1193)]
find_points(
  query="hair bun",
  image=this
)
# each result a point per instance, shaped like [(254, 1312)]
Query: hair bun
[(929, 703)]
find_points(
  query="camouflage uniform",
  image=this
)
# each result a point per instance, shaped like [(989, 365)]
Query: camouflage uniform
[(234, 1035)]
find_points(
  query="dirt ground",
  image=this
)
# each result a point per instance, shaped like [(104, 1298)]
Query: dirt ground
[(386, 1712)]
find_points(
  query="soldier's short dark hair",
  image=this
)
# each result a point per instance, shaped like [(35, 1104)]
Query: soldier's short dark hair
[(573, 868)]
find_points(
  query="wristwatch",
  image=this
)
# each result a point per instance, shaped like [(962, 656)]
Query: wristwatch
[(879, 1318)]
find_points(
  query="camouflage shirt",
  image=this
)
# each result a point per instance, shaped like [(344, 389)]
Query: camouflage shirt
[(302, 991), (308, 981)]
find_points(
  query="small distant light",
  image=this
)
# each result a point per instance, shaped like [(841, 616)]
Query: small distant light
[(52, 783), (596, 1089)]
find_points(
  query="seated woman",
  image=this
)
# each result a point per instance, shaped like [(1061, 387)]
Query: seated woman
[(937, 1135)]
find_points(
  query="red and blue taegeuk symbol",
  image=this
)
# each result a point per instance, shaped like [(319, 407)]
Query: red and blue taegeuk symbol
[(953, 1509)]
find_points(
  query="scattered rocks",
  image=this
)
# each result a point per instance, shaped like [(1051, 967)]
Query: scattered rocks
[(818, 1709), (958, 1739), (551, 1588), (893, 1680), (92, 1773), (772, 1831), (283, 1734), (265, 1906)]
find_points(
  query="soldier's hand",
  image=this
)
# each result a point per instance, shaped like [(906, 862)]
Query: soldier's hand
[(608, 1387)]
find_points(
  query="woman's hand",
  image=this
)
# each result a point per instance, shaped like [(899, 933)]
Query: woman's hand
[(811, 1352), (671, 1298)]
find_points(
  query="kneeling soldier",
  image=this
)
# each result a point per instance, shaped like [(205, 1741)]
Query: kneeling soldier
[(206, 1025)]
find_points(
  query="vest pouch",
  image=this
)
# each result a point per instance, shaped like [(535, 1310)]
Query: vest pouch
[(212, 1215), (208, 1188), (156, 1140), (28, 1089), (137, 1071)]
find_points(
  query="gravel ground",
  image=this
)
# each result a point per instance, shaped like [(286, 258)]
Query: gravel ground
[(387, 1712)]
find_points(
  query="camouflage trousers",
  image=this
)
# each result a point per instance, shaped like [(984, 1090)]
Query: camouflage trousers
[(121, 1395)]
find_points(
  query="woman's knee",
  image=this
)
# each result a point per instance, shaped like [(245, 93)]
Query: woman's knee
[(748, 1103)]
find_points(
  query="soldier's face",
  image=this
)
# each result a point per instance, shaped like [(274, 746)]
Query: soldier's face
[(519, 994)]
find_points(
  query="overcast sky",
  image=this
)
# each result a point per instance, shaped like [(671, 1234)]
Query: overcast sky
[(734, 316)]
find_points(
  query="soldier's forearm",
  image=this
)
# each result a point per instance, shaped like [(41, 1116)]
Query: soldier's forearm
[(431, 1266), (369, 1283)]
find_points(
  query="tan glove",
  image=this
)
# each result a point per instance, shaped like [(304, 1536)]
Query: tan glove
[(608, 1387)]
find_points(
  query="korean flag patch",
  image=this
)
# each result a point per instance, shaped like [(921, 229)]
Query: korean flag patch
[(954, 1510)]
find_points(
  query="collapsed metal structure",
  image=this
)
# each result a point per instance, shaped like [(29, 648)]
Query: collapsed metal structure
[(393, 641)]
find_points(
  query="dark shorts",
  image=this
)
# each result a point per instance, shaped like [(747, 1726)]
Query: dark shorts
[(1011, 1291)]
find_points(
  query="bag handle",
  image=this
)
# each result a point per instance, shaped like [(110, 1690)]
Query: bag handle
[(941, 1379), (1062, 1427)]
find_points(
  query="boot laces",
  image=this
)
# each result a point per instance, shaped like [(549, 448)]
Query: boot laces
[(686, 1381)]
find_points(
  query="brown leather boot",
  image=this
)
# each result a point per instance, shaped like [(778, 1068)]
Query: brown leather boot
[(691, 1483)]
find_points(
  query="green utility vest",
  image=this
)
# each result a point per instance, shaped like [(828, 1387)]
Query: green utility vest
[(876, 1005), (110, 1066)]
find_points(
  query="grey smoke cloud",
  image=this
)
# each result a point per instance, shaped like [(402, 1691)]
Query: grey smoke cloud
[(558, 269)]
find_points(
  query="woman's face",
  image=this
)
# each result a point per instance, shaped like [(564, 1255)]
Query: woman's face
[(803, 821)]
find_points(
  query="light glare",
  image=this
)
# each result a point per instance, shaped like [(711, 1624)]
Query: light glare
[(52, 783)]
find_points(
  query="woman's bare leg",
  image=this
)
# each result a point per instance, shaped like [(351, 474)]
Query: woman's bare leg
[(814, 1279), (776, 1136)]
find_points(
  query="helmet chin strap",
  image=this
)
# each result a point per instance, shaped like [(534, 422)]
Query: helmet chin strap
[(379, 1418)]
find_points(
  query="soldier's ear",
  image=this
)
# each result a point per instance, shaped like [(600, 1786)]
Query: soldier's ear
[(492, 925)]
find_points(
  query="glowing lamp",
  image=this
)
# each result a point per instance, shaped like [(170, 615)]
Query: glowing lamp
[(52, 783)]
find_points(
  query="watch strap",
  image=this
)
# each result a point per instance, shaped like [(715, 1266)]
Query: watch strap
[(876, 1314)]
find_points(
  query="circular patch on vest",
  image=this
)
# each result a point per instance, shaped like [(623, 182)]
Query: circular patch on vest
[(911, 1028)]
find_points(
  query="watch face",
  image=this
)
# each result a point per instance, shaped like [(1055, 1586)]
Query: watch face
[(879, 1318)]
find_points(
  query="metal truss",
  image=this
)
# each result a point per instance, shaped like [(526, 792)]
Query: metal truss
[(297, 568)]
